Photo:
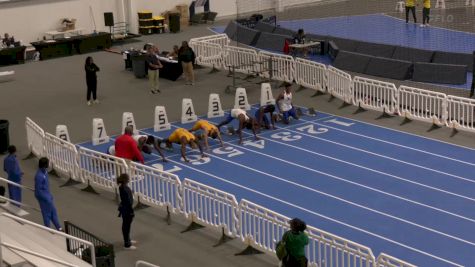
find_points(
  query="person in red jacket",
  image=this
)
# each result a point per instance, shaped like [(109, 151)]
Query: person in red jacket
[(126, 146)]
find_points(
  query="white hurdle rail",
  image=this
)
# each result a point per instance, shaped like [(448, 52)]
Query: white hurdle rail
[(240, 59), (311, 74), (208, 54), (326, 249), (220, 39), (340, 84), (35, 138), (385, 260), (461, 113), (276, 66), (261, 227), (211, 206), (422, 105), (100, 169), (156, 187), (62, 156), (375, 95)]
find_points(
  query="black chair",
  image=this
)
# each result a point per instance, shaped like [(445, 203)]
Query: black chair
[(210, 17), (197, 18)]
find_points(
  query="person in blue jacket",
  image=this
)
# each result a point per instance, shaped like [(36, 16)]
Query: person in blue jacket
[(43, 195), (12, 168)]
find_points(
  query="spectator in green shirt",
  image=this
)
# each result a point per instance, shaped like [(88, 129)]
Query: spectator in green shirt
[(295, 241)]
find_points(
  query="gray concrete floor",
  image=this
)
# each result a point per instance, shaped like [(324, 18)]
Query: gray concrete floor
[(53, 92)]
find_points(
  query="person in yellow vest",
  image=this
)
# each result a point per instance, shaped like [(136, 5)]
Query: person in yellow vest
[(183, 137), (411, 6), (205, 129), (425, 13)]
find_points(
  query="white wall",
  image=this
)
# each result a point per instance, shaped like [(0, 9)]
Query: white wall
[(225, 8), (28, 20)]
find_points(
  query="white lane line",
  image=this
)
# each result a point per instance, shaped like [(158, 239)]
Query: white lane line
[(344, 200), (383, 156), (370, 169), (320, 215), (357, 184), (399, 131), (391, 143)]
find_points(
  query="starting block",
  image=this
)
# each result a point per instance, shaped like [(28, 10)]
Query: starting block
[(161, 119), (231, 130), (99, 134), (187, 111), (312, 112), (266, 95), (128, 120), (240, 100), (299, 112), (214, 106), (62, 133)]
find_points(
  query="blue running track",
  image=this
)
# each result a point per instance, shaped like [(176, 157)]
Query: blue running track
[(379, 28), (398, 193)]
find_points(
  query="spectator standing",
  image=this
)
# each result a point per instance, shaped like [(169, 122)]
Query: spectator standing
[(126, 210), (43, 195), (153, 64), (425, 13), (91, 80), (126, 146), (295, 241), (411, 7), (12, 168), (187, 58)]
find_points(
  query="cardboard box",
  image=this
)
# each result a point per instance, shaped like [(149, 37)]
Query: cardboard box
[(183, 9)]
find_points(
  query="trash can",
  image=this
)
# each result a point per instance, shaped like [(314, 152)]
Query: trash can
[(138, 65), (174, 22), (4, 136)]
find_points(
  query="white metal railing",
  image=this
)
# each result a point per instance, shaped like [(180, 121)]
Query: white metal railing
[(210, 206), (422, 105), (156, 187), (34, 137), (460, 113), (340, 84), (62, 155), (144, 264), (276, 66), (374, 94), (17, 249), (311, 74), (263, 228), (260, 226), (85, 244), (16, 184), (208, 54), (326, 249), (220, 39), (385, 260), (240, 59), (100, 169)]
